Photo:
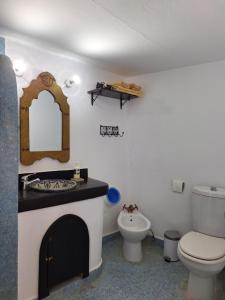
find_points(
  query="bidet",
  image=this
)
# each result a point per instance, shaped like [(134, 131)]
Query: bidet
[(133, 227)]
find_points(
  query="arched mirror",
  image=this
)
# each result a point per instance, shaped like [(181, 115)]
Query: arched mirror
[(44, 122)]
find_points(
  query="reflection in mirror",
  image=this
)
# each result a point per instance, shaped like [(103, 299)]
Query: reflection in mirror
[(45, 121)]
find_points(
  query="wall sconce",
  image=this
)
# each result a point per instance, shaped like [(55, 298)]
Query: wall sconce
[(19, 67), (73, 80)]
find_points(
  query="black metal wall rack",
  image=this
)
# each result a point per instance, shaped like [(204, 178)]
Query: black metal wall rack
[(123, 97)]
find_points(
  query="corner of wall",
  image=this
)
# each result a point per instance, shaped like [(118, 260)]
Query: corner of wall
[(2, 45), (8, 178)]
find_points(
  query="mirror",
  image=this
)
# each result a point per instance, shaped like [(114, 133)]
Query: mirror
[(47, 133), (44, 121)]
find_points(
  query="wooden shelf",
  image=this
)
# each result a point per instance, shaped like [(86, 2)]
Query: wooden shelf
[(123, 97)]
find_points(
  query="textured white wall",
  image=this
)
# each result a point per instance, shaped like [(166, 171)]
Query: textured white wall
[(176, 131), (104, 157)]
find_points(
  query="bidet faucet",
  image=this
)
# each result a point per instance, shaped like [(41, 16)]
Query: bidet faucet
[(26, 182), (130, 208), (213, 188)]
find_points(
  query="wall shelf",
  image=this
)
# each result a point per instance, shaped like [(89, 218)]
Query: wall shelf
[(123, 97)]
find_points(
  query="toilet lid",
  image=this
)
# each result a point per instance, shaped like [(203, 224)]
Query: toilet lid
[(202, 246)]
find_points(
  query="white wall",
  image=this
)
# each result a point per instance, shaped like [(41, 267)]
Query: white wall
[(104, 157), (176, 131)]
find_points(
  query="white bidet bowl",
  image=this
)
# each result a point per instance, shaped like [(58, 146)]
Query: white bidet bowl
[(133, 227)]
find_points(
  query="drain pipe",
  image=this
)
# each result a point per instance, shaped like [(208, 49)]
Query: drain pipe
[(151, 233)]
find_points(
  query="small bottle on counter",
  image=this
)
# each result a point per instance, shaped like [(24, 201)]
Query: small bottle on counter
[(76, 175), (77, 171)]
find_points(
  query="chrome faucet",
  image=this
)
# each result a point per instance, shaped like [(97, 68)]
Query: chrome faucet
[(26, 182)]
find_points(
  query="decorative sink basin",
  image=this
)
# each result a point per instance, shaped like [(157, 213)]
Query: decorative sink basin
[(53, 185)]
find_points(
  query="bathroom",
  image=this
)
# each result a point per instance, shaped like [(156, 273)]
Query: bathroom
[(170, 137)]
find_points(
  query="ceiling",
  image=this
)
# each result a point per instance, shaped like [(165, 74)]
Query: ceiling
[(128, 37)]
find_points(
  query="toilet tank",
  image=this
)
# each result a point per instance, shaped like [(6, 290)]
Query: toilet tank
[(208, 210)]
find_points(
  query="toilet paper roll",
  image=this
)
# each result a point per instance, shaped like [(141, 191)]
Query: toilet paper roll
[(178, 185)]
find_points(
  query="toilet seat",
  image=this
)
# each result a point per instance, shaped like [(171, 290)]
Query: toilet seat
[(202, 246)]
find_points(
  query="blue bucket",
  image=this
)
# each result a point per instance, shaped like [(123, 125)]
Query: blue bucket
[(113, 196)]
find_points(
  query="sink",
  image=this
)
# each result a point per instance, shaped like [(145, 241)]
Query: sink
[(53, 185)]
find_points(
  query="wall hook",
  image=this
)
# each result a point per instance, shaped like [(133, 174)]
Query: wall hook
[(110, 131)]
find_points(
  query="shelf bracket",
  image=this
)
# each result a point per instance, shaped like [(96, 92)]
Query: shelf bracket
[(93, 98), (122, 102)]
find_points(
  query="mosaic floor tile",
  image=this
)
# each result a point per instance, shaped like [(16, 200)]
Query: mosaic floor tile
[(152, 279)]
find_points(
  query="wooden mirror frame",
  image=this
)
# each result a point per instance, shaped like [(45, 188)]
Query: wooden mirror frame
[(44, 82)]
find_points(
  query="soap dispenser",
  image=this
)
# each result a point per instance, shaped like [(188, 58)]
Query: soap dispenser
[(77, 171), (76, 175)]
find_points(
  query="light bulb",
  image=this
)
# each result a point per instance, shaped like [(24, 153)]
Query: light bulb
[(19, 67), (75, 79)]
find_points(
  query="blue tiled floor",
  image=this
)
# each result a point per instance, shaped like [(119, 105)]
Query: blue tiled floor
[(152, 279)]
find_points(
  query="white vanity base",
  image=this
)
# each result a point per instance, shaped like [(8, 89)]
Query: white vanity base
[(32, 226)]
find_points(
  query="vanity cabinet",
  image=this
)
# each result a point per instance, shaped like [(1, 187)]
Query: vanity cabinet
[(50, 225), (32, 226)]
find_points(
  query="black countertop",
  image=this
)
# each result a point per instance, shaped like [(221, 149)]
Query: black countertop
[(31, 200)]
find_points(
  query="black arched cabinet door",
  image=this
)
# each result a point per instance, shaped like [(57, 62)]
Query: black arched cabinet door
[(64, 253)]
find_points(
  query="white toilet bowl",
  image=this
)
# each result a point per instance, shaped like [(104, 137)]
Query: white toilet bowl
[(133, 227), (204, 257)]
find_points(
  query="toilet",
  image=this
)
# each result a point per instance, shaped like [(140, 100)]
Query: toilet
[(133, 226), (202, 250)]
